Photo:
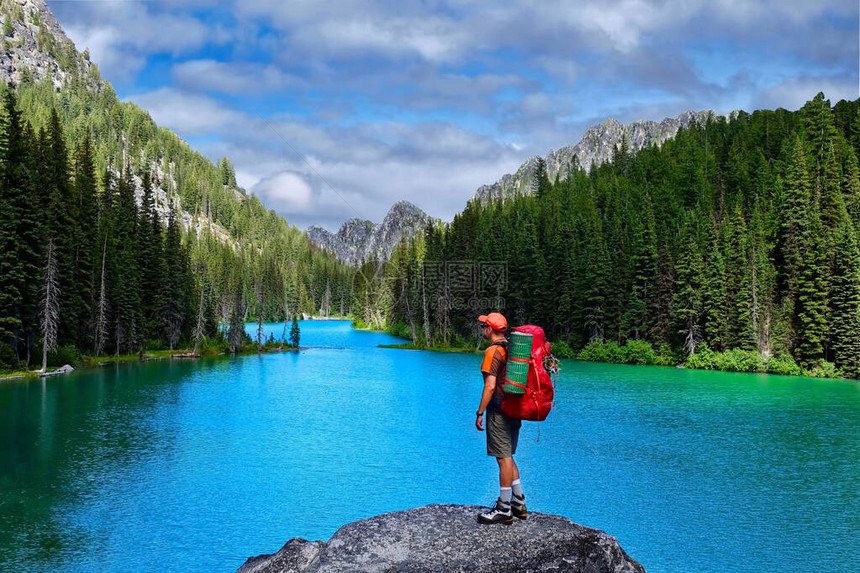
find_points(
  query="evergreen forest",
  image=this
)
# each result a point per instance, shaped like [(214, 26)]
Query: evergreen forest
[(733, 245), (117, 238)]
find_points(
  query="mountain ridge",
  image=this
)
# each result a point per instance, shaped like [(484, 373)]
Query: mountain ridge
[(359, 240), (37, 49), (598, 145)]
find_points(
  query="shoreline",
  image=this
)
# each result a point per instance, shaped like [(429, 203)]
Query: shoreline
[(176, 354), (164, 354), (471, 350)]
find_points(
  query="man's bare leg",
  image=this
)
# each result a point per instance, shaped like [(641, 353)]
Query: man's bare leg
[(508, 471)]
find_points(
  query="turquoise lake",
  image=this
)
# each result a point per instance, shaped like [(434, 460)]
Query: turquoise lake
[(198, 465)]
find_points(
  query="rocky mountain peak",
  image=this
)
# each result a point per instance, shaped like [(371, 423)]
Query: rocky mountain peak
[(359, 240)]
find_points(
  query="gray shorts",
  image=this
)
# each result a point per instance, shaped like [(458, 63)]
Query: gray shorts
[(502, 434)]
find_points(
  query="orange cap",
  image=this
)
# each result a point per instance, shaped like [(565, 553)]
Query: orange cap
[(496, 321)]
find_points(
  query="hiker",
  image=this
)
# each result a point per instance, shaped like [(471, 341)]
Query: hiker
[(502, 431)]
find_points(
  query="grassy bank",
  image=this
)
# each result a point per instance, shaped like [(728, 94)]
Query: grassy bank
[(642, 353), (18, 374)]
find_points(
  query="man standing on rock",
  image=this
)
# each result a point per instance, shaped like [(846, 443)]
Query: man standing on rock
[(502, 432)]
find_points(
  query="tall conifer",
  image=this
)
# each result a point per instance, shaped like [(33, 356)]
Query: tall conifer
[(845, 315)]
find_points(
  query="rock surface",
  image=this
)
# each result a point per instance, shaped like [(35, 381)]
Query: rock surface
[(358, 240), (32, 40), (442, 538)]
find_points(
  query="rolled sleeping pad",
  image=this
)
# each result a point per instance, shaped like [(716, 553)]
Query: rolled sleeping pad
[(516, 372), (520, 346)]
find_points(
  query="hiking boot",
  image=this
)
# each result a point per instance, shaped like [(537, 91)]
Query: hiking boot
[(501, 513), (518, 506)]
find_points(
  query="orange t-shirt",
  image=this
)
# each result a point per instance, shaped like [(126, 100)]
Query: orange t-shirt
[(495, 364)]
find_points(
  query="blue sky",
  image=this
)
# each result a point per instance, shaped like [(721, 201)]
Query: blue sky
[(426, 101)]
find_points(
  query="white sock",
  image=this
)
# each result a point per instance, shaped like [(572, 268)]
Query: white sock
[(517, 488), (505, 494)]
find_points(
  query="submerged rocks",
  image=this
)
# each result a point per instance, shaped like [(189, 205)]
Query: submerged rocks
[(441, 538)]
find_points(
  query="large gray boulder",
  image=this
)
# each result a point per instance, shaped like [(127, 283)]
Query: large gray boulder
[(442, 538)]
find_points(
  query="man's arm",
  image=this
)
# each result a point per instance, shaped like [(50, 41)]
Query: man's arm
[(486, 396)]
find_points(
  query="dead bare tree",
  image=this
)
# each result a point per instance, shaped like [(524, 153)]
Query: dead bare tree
[(425, 309), (198, 329), (410, 313), (258, 290), (102, 310), (50, 308), (237, 323), (325, 307)]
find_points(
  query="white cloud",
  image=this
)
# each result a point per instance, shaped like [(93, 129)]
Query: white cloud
[(115, 64), (189, 115), (231, 78), (794, 92), (121, 35), (412, 100), (363, 170), (286, 190)]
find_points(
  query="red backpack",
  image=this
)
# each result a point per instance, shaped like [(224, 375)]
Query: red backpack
[(536, 402)]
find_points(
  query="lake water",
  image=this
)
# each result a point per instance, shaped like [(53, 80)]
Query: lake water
[(197, 465)]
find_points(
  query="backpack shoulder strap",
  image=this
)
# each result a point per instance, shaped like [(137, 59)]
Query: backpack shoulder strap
[(503, 345)]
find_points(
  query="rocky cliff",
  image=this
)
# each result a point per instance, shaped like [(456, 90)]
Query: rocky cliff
[(34, 45), (359, 240), (446, 538), (597, 146)]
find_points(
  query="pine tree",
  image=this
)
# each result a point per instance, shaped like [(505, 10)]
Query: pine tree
[(794, 230), (126, 284), (820, 130), (845, 315), (595, 277), (851, 188), (661, 329), (21, 258), (642, 296), (258, 292), (687, 304), (63, 224), (714, 297), (177, 280), (762, 279), (812, 293), (236, 328), (540, 184), (295, 334), (13, 274), (151, 261), (84, 248), (741, 332)]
